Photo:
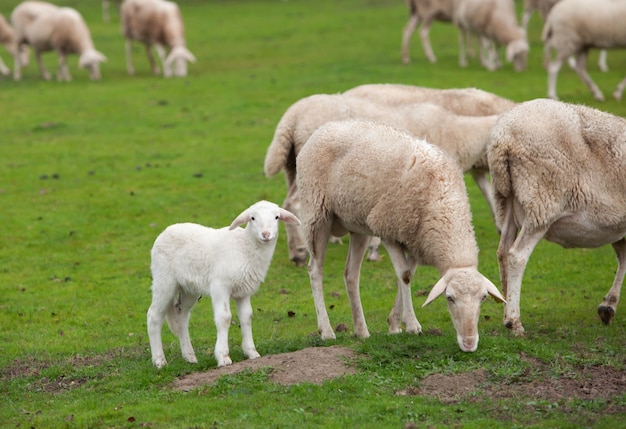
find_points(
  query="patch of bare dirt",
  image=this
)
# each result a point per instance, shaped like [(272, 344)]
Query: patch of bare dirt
[(311, 365)]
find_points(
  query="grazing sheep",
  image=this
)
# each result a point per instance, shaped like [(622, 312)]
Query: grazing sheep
[(575, 26), (544, 7), (7, 38), (367, 178), (191, 260), (425, 11), (558, 173), (158, 23), (46, 27), (494, 21), (464, 137)]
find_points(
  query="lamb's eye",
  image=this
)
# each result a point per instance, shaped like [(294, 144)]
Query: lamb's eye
[(252, 218), (277, 217), (450, 299)]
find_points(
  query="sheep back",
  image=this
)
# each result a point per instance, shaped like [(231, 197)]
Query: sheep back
[(377, 180)]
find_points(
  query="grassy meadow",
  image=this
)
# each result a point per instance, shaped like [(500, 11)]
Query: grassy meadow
[(92, 172)]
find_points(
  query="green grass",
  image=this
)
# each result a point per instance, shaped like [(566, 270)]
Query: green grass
[(92, 171)]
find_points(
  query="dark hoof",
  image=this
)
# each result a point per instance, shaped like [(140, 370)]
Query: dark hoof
[(509, 324), (606, 314)]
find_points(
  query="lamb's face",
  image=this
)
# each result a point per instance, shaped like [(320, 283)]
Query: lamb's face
[(262, 219)]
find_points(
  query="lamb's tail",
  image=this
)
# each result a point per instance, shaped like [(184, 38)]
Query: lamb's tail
[(498, 160), (282, 147)]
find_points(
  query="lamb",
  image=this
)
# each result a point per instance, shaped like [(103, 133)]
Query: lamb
[(158, 23), (191, 260), (464, 137), (46, 27), (7, 38), (494, 21), (575, 26), (558, 173), (544, 7), (367, 178)]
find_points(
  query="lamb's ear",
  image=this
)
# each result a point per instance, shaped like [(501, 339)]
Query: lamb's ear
[(288, 217), (240, 220), (493, 291), (438, 289)]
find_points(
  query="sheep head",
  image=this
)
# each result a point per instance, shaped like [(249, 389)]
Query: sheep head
[(262, 219), (90, 60), (517, 53), (176, 62), (465, 290)]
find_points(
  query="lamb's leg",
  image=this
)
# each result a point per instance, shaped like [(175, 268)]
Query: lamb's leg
[(608, 307), (581, 65), (352, 272), (295, 240), (223, 317), (42, 67), (402, 310), (244, 311), (620, 88), (425, 36), (129, 57), (374, 249), (410, 27), (163, 295), (317, 243), (178, 321)]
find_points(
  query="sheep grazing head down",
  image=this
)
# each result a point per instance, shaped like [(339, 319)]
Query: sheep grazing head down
[(90, 60), (262, 219), (517, 53), (176, 62), (465, 289)]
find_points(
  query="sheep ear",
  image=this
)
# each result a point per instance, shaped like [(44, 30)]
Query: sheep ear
[(438, 289), (189, 56), (288, 217), (493, 291), (240, 220)]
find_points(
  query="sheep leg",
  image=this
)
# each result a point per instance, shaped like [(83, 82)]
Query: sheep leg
[(244, 312), (373, 250), (553, 71), (481, 177), (581, 65), (462, 42), (167, 68), (507, 238), (223, 317), (295, 240), (608, 307), (352, 272), (317, 247), (42, 67), (178, 321), (402, 310), (163, 295), (153, 65), (3, 68), (129, 57), (424, 35), (620, 88), (63, 73), (410, 27), (602, 64), (17, 68)]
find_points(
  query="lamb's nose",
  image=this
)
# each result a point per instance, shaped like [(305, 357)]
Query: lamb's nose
[(266, 235)]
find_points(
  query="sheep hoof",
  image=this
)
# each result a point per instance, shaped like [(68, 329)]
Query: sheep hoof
[(159, 362), (225, 361), (515, 326), (606, 313)]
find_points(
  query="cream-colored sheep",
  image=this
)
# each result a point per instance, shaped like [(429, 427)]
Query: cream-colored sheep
[(424, 11), (558, 173), (46, 27), (575, 26), (156, 23), (464, 137), (495, 22), (367, 178)]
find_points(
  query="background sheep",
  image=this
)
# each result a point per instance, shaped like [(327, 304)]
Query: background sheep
[(575, 26), (495, 22), (156, 23), (558, 173), (46, 27), (365, 179), (7, 38), (190, 261), (425, 11), (464, 137)]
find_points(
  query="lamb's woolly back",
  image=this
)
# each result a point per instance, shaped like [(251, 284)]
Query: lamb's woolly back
[(417, 171)]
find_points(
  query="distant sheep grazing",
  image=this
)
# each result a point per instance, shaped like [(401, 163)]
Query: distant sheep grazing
[(494, 21), (46, 27), (575, 26), (191, 260), (370, 179), (558, 173), (158, 23), (7, 38), (425, 11)]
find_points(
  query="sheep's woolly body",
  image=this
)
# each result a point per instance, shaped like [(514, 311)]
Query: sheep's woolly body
[(573, 27), (562, 179)]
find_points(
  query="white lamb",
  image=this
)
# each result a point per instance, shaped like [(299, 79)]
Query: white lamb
[(575, 26), (367, 178), (7, 38), (464, 137), (495, 22), (156, 23), (191, 260), (46, 27), (558, 173)]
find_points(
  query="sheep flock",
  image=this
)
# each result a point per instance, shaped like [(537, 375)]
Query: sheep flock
[(384, 164)]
